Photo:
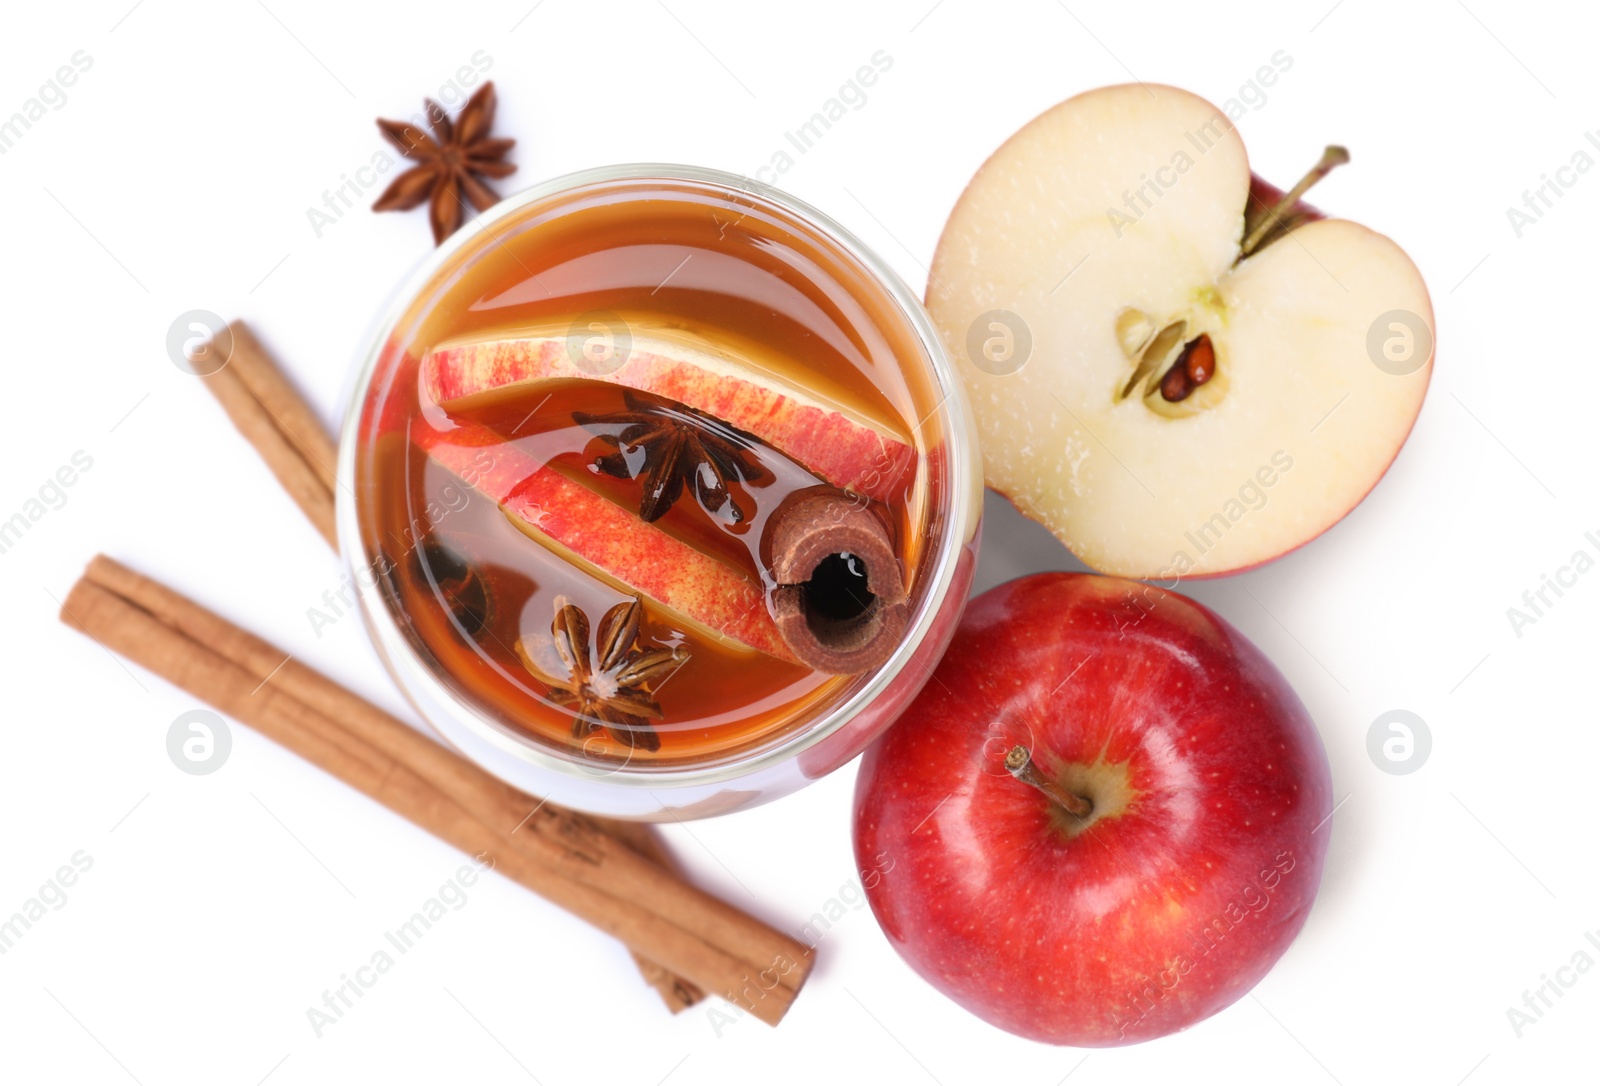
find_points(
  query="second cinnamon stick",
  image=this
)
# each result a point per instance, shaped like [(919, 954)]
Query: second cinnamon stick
[(563, 856), (292, 470), (285, 431)]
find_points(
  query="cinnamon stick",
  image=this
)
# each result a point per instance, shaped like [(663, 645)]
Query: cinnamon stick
[(676, 992), (285, 431), (564, 856), (288, 409), (840, 604), (303, 482)]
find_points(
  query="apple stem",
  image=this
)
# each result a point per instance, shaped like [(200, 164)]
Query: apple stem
[(1332, 156), (1019, 761)]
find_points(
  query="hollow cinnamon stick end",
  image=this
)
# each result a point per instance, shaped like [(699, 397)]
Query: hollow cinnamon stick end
[(840, 605)]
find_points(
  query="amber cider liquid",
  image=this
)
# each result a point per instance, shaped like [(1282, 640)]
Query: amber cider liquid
[(687, 263)]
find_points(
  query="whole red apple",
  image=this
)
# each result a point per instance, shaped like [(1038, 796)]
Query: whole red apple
[(1106, 817)]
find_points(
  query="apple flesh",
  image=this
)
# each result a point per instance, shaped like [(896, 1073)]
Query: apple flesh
[(606, 540), (1111, 229), (846, 449), (1195, 865)]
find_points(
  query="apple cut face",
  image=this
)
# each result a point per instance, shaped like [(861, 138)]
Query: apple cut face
[(1097, 251), (847, 449)]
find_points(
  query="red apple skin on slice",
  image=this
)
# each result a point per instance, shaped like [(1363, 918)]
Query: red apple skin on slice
[(1205, 844), (568, 517), (1264, 195), (847, 452)]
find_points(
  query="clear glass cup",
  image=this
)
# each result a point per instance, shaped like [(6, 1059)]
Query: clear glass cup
[(831, 733)]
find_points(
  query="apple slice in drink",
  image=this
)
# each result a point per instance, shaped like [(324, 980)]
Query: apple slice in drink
[(607, 540), (844, 447)]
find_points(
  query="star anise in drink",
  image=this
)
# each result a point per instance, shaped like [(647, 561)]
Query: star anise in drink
[(668, 446), (448, 166), (609, 685), (459, 585)]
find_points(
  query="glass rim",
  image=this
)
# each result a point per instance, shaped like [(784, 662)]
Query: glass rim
[(955, 432)]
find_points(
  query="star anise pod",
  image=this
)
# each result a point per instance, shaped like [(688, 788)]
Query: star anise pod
[(449, 165), (457, 582), (667, 445), (607, 686)]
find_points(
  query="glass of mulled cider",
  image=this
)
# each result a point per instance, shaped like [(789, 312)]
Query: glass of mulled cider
[(659, 492)]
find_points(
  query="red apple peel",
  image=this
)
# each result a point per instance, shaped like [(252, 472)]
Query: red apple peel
[(1208, 799)]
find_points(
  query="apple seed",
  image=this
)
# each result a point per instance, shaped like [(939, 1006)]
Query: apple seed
[(1194, 366)]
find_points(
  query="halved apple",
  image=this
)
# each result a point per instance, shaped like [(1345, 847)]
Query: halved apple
[(844, 447), (1173, 379), (606, 540)]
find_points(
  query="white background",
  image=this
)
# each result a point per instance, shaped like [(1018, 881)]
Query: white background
[(178, 175)]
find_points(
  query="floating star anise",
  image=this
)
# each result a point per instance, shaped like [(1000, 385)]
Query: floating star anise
[(666, 445), (608, 687), (449, 166), (457, 582)]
